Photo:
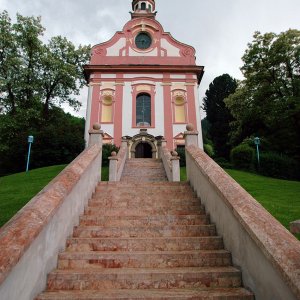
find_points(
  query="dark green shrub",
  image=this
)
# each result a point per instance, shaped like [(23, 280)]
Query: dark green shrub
[(223, 163), (107, 149), (181, 153), (209, 150), (278, 166), (242, 157)]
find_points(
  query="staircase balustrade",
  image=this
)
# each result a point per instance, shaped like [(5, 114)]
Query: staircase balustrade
[(117, 162), (267, 253), (170, 161), (32, 239)]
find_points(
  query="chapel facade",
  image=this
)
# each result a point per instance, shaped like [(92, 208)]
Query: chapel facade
[(143, 85)]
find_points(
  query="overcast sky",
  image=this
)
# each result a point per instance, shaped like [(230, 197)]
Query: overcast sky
[(218, 29)]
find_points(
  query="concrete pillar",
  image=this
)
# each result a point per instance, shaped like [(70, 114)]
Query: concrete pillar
[(175, 166), (125, 144), (191, 136), (95, 135), (160, 144), (113, 167), (96, 138)]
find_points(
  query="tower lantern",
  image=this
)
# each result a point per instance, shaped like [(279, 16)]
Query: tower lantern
[(143, 8)]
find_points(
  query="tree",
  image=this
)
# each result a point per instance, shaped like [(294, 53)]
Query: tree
[(57, 140), (62, 73), (35, 79), (267, 102), (217, 114), (34, 74)]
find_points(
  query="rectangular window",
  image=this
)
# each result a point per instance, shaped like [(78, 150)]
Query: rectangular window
[(143, 110)]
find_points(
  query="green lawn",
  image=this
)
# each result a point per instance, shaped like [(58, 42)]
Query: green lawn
[(17, 189), (105, 174), (280, 197)]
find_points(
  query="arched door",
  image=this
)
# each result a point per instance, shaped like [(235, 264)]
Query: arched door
[(143, 150)]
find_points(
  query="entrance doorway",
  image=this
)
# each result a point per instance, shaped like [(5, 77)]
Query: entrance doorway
[(143, 150)]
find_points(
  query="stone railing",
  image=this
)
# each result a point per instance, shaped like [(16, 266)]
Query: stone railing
[(170, 161), (267, 253), (117, 162), (31, 240)]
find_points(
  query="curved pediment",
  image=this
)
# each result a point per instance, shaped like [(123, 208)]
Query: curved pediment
[(123, 48)]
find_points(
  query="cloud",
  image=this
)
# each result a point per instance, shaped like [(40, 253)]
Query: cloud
[(219, 30)]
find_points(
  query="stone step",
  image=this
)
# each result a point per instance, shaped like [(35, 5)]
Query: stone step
[(142, 231), (141, 193), (148, 172), (112, 187), (148, 163), (147, 205), (144, 197), (100, 211), (144, 244), (138, 169), (95, 279), (144, 179), (149, 185), (143, 170), (165, 259), (152, 294), (137, 221)]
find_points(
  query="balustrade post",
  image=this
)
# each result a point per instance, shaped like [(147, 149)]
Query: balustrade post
[(191, 139), (160, 144), (96, 135), (125, 144), (113, 167), (175, 166), (191, 136)]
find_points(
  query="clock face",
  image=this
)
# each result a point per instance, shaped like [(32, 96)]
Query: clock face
[(143, 40)]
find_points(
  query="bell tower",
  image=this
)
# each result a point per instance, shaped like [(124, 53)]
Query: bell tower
[(143, 8)]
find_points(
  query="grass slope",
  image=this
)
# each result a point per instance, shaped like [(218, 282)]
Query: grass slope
[(16, 190), (280, 197)]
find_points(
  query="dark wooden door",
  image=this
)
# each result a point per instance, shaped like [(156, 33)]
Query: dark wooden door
[(143, 150)]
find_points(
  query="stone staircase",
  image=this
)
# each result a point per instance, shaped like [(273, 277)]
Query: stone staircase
[(144, 240), (141, 170)]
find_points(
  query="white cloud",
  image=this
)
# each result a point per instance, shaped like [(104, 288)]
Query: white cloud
[(218, 29)]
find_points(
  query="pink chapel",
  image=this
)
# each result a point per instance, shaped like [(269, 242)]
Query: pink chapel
[(143, 86)]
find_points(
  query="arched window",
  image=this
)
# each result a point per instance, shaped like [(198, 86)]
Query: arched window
[(179, 110), (150, 7), (136, 7), (107, 109), (143, 6), (143, 110)]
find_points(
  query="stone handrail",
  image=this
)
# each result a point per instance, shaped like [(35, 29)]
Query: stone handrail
[(171, 163), (267, 253), (117, 162), (31, 240)]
